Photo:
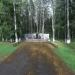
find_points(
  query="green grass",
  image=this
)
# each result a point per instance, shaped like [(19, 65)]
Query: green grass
[(66, 54), (6, 49), (72, 45)]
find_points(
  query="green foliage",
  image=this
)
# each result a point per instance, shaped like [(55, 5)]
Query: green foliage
[(61, 18), (26, 22)]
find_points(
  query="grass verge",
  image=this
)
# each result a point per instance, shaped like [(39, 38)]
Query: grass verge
[(66, 54), (6, 49)]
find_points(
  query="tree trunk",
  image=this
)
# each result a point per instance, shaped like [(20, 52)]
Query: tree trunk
[(53, 29), (53, 20), (37, 20), (42, 17), (16, 38), (68, 24)]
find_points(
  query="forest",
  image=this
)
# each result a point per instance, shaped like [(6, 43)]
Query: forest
[(19, 17), (35, 56)]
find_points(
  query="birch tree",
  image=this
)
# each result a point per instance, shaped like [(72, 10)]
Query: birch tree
[(15, 24), (53, 19), (68, 24), (43, 7)]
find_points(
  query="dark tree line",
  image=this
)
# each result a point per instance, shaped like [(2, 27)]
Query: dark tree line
[(19, 17)]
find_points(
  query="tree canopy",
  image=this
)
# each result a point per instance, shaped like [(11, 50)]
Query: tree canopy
[(37, 16)]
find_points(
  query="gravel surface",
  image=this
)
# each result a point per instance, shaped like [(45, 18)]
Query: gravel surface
[(32, 59)]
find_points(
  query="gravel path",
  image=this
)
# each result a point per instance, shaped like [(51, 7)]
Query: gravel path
[(25, 62)]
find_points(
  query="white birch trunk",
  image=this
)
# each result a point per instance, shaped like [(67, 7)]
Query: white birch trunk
[(30, 16), (68, 24), (16, 38), (42, 17), (53, 21), (53, 29), (37, 19), (36, 16)]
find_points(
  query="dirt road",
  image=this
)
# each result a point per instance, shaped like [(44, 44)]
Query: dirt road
[(34, 59)]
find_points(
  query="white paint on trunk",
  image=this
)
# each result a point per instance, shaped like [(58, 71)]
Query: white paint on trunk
[(53, 39), (2, 39), (19, 40), (68, 41), (16, 39)]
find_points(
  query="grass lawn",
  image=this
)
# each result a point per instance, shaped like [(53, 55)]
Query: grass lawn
[(6, 49), (66, 53)]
